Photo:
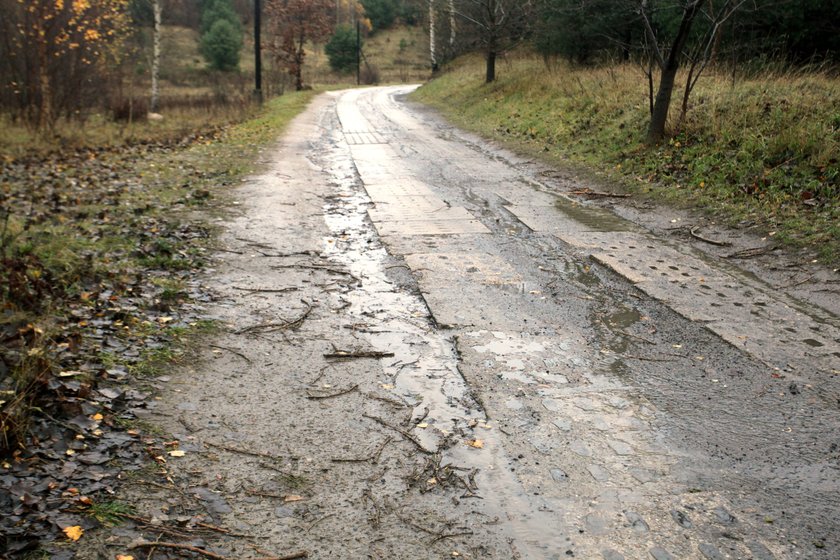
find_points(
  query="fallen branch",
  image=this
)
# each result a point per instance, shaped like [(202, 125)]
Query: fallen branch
[(373, 458), (309, 395), (694, 233), (400, 431), (451, 535), (292, 556), (266, 290), (392, 402), (749, 253), (271, 327), (798, 283), (232, 351), (316, 267), (178, 546), (599, 194), (207, 526), (347, 354), (292, 254)]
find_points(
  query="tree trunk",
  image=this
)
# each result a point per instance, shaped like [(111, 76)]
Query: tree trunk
[(452, 28), (659, 116), (491, 66), (45, 103), (432, 56), (155, 101)]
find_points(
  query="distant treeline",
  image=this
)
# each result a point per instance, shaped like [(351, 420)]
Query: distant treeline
[(588, 31)]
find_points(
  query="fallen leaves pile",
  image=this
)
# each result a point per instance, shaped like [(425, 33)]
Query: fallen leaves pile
[(97, 284)]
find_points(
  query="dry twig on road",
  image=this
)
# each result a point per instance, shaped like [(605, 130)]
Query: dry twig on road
[(310, 395), (694, 232), (400, 431), (347, 354)]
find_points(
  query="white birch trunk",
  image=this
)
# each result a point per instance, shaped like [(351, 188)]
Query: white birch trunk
[(155, 101), (432, 55), (451, 27)]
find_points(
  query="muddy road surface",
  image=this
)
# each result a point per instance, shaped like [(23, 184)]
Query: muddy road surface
[(428, 351)]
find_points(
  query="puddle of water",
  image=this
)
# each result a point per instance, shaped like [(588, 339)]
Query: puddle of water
[(624, 318), (424, 368), (596, 218)]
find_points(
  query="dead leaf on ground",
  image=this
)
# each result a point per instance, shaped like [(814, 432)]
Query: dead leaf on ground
[(477, 443), (73, 533)]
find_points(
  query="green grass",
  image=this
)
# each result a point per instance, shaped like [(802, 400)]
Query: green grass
[(110, 513), (763, 150)]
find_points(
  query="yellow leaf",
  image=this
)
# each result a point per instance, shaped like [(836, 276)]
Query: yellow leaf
[(124, 557), (292, 498), (177, 453), (477, 443), (73, 533), (97, 417)]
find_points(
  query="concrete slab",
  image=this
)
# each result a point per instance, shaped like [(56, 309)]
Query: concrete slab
[(430, 227), (403, 213)]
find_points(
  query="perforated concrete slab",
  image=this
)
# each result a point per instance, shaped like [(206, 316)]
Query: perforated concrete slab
[(567, 218), (400, 213), (418, 203), (430, 227), (390, 192), (748, 317), (406, 244), (365, 137)]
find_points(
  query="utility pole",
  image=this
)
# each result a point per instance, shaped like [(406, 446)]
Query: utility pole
[(257, 52)]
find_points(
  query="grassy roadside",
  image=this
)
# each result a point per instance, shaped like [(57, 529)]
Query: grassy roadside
[(761, 150), (99, 247)]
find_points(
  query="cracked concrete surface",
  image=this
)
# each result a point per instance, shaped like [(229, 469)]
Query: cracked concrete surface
[(555, 381)]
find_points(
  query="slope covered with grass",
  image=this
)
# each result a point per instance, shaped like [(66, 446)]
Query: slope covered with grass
[(762, 149)]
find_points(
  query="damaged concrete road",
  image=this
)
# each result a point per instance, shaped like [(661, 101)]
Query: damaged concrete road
[(428, 352)]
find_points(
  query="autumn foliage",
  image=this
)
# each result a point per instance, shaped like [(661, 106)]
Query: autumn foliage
[(292, 24), (54, 53)]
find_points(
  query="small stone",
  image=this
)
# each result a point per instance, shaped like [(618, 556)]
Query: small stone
[(681, 519), (562, 424), (643, 475), (598, 473), (580, 448), (552, 405), (597, 524), (710, 551), (660, 553), (637, 522), (621, 448), (284, 511), (559, 475), (611, 555), (724, 516), (759, 551)]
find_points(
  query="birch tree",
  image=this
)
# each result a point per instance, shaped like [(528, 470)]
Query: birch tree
[(155, 95)]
